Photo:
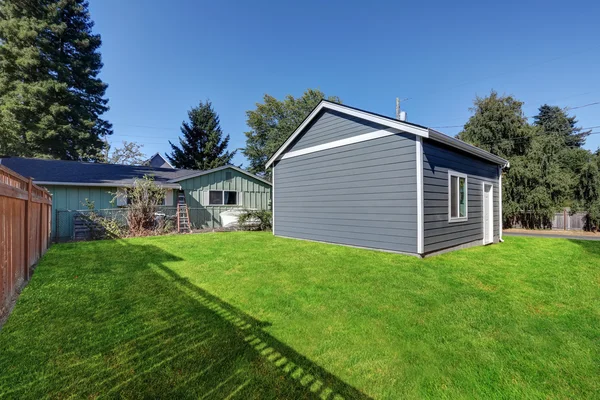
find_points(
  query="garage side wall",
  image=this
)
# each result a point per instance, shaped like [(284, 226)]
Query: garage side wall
[(440, 234), (362, 194)]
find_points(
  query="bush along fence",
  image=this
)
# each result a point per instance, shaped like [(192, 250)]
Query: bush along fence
[(25, 221), (80, 224), (566, 220)]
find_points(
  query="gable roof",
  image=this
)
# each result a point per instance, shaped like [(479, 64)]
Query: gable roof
[(59, 172), (158, 161), (78, 173), (209, 171), (389, 122)]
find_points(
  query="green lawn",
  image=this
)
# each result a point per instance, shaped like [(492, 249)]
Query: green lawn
[(248, 315)]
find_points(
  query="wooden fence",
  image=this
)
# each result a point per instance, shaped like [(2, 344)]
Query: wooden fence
[(567, 221), (25, 221)]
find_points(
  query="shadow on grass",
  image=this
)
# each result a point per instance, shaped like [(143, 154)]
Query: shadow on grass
[(110, 319), (590, 246)]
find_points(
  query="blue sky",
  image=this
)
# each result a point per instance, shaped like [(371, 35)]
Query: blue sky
[(162, 58)]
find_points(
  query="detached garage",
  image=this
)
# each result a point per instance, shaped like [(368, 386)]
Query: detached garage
[(351, 177)]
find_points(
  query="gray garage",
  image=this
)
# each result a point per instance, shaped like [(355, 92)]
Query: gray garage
[(356, 178)]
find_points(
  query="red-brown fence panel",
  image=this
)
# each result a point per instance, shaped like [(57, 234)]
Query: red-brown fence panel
[(25, 213)]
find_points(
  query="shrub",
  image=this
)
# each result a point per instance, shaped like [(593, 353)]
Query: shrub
[(256, 220), (144, 198), (102, 227)]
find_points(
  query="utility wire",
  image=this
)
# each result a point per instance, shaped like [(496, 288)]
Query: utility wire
[(566, 108), (503, 73)]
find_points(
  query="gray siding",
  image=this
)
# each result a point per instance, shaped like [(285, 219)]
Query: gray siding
[(439, 233), (362, 194), (331, 126)]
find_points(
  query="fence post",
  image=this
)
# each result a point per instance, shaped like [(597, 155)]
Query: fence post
[(27, 226), (565, 219)]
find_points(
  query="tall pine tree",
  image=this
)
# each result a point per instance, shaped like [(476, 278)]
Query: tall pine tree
[(51, 99), (203, 145), (554, 120)]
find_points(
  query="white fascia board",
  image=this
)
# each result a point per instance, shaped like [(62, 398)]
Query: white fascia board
[(165, 185), (210, 171), (401, 126)]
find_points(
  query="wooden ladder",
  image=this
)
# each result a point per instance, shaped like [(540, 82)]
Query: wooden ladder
[(183, 215)]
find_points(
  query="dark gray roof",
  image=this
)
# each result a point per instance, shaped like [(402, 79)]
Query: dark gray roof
[(58, 171)]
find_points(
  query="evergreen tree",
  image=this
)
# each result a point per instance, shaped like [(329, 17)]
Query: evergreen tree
[(554, 120), (203, 145), (273, 122), (51, 99), (498, 125)]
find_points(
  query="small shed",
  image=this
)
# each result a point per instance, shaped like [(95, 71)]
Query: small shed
[(357, 178)]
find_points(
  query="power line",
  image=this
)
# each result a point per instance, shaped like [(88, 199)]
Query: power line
[(583, 106), (504, 73), (566, 108)]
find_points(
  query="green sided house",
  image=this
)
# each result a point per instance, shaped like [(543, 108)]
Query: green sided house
[(207, 194)]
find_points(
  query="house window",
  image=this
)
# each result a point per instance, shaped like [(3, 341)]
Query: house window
[(457, 196), (222, 197), (228, 175)]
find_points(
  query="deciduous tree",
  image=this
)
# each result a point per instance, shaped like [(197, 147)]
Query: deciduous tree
[(273, 121)]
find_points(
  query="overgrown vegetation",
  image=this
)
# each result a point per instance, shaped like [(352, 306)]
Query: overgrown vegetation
[(549, 168), (100, 226), (141, 217), (256, 220), (143, 199), (245, 315)]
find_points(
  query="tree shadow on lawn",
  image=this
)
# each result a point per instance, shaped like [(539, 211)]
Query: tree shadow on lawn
[(590, 246), (110, 319)]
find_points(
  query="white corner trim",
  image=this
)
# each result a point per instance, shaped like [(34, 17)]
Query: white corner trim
[(500, 204), (341, 142), (420, 205), (388, 122), (273, 199)]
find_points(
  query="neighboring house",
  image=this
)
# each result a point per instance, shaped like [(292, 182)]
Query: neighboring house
[(352, 177), (207, 193), (158, 161)]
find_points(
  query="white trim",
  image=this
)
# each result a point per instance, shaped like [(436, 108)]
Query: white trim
[(117, 185), (500, 220), (273, 200), (210, 171), (452, 173), (342, 142), (490, 214), (420, 205), (390, 123), (164, 159), (237, 198)]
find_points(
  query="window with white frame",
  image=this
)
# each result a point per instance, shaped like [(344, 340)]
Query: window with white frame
[(222, 197), (457, 196)]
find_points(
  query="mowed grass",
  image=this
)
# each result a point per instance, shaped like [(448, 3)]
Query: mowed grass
[(249, 315)]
